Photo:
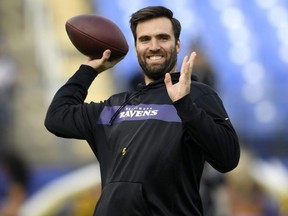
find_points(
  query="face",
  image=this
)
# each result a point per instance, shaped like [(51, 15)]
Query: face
[(156, 48)]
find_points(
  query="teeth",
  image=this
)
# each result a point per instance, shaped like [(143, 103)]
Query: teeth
[(155, 57)]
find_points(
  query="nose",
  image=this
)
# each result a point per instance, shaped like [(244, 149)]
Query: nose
[(154, 45)]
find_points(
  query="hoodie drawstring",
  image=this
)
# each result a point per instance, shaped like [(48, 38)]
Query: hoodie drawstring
[(136, 94)]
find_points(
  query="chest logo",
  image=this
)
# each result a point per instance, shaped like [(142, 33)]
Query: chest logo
[(163, 112), (135, 112)]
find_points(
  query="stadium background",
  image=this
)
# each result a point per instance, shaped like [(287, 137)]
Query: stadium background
[(245, 42)]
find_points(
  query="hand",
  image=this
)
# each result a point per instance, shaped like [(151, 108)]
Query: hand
[(178, 90), (102, 64)]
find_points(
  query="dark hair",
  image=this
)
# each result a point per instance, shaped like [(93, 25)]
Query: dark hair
[(151, 12)]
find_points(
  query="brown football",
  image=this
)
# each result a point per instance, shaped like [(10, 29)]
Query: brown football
[(92, 35)]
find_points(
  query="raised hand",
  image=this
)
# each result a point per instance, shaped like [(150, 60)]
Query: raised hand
[(180, 89)]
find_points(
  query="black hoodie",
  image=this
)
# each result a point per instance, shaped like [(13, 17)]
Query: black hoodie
[(151, 151)]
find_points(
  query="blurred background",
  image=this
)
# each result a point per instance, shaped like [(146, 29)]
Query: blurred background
[(242, 51)]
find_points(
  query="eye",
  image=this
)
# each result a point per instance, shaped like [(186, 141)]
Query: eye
[(143, 39), (164, 37)]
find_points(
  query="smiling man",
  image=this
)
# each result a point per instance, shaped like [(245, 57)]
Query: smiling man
[(151, 144), (156, 48)]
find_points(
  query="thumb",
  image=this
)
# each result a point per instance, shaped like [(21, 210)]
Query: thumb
[(106, 55)]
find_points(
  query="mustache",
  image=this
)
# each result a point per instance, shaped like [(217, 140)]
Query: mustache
[(152, 53)]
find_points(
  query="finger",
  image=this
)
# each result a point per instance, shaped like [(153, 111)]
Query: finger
[(168, 80), (186, 69), (184, 65), (187, 65), (192, 58), (191, 63)]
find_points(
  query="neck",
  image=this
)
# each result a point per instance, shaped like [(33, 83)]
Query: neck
[(149, 80)]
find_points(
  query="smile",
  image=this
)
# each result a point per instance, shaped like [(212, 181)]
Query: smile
[(155, 57)]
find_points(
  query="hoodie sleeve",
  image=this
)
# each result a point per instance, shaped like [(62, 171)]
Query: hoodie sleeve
[(68, 116), (208, 125)]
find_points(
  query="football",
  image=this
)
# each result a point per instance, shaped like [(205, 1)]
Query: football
[(92, 35)]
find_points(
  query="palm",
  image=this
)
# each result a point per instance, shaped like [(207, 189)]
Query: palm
[(103, 64), (180, 89)]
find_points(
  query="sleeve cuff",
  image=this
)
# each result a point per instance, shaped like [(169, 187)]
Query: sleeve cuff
[(186, 109), (84, 75)]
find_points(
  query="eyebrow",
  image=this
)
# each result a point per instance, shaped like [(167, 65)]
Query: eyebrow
[(157, 36)]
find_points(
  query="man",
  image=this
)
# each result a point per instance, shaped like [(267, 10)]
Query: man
[(151, 144)]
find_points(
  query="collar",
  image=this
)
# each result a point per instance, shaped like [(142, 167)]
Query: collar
[(159, 82)]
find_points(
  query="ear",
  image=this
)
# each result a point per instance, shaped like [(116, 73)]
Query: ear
[(178, 45)]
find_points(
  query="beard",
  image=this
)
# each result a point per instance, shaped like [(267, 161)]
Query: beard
[(159, 71)]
